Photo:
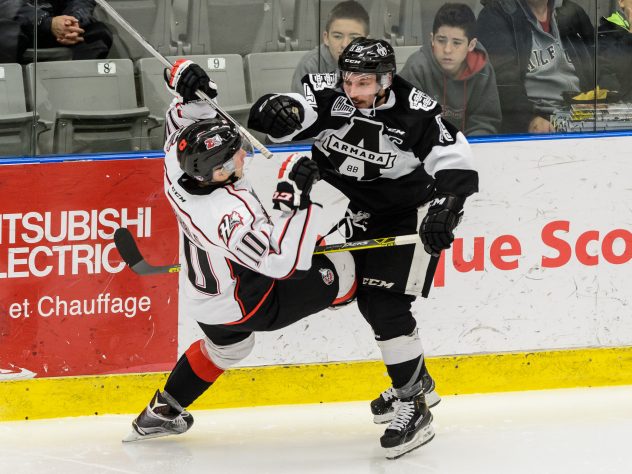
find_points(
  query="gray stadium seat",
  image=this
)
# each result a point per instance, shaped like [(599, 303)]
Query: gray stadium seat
[(153, 19), (402, 53), (48, 54), (310, 18), (16, 124), (226, 70), (270, 72), (90, 106), (235, 26)]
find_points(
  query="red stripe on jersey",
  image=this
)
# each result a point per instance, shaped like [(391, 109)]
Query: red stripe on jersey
[(201, 363), (300, 245), (246, 317), (284, 165)]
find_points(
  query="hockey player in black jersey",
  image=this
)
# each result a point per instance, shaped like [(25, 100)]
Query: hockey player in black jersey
[(243, 271), (383, 143)]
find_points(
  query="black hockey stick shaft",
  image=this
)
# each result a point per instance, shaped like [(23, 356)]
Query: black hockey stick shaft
[(126, 245), (145, 44)]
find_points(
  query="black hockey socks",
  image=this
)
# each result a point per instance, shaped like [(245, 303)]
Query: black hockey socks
[(192, 376)]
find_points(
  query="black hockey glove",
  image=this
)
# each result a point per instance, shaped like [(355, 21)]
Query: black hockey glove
[(186, 77), (297, 175), (437, 227), (276, 115)]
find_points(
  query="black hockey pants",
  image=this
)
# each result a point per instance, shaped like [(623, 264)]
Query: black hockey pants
[(383, 275), (289, 302)]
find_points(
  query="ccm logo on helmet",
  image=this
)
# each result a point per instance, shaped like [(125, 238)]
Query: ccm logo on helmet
[(182, 145)]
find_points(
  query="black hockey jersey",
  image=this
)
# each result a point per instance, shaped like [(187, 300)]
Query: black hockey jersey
[(388, 159)]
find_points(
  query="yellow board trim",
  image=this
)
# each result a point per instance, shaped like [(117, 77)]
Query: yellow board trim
[(314, 383)]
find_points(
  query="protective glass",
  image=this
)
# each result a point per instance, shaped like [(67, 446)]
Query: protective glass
[(360, 83), (229, 166)]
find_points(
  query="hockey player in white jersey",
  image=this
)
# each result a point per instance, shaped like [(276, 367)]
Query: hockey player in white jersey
[(384, 144), (242, 270)]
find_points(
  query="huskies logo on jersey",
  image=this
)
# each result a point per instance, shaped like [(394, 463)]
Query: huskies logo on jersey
[(421, 101), (323, 81), (212, 142), (357, 153), (228, 225)]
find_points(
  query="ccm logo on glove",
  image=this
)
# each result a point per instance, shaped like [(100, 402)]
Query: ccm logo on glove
[(436, 230)]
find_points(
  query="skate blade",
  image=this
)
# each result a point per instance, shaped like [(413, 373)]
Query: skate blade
[(422, 437), (134, 436), (432, 399)]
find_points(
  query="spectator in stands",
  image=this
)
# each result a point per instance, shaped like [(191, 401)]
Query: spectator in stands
[(457, 73), (65, 23), (12, 41), (614, 43), (347, 21), (539, 49)]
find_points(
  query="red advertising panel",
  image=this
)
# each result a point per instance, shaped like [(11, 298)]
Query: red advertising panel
[(68, 305)]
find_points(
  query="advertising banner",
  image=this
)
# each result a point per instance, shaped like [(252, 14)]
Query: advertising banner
[(68, 304)]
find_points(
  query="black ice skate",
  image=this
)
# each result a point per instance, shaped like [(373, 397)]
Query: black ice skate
[(409, 429), (162, 417), (383, 407)]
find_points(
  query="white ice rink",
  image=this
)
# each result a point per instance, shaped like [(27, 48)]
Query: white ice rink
[(578, 431)]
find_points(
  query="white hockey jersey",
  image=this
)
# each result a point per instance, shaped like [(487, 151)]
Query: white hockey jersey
[(231, 251)]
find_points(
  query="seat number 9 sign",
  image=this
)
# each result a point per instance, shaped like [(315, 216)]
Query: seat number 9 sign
[(217, 64)]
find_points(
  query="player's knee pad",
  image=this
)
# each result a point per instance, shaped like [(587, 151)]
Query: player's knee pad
[(401, 349), (229, 355), (347, 284)]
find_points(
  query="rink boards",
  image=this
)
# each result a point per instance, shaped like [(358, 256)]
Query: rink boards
[(533, 294)]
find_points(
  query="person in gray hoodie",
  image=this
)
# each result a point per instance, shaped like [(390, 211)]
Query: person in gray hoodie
[(539, 49), (457, 73), (346, 21)]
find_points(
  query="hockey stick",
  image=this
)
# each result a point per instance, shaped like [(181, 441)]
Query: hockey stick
[(145, 44), (126, 245)]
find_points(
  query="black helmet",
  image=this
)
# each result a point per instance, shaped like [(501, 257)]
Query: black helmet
[(205, 145), (373, 56)]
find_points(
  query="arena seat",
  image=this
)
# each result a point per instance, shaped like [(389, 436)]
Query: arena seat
[(226, 70), (270, 72), (235, 26), (402, 53), (16, 124), (48, 54), (90, 106), (153, 19)]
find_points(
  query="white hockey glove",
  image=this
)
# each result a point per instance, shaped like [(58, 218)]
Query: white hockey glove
[(186, 77), (297, 175), (436, 231)]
